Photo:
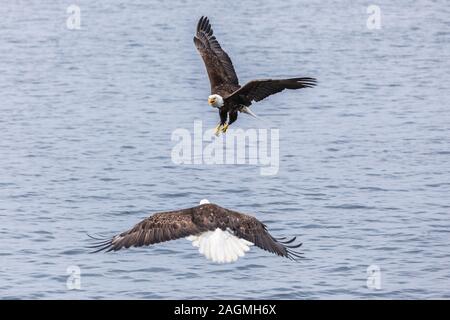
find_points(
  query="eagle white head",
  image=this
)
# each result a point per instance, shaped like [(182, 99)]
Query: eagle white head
[(204, 201), (215, 101)]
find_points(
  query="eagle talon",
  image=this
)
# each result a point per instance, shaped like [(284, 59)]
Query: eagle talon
[(225, 127), (217, 130)]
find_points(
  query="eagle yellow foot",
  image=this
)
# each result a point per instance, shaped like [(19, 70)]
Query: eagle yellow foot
[(225, 127), (218, 129)]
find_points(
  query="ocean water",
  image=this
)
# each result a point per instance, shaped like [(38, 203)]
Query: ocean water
[(86, 123)]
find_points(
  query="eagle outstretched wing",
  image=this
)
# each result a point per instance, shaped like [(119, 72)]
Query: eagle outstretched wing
[(257, 90), (218, 64), (160, 227), (251, 229)]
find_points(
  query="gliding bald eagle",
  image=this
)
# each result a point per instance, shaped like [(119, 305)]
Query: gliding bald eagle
[(226, 93), (221, 235)]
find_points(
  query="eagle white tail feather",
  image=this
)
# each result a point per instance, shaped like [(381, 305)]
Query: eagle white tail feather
[(220, 246), (250, 112)]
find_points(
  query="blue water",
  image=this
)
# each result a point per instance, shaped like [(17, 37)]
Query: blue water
[(86, 123)]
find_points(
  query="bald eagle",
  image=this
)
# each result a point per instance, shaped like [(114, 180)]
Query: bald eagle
[(221, 235), (226, 93)]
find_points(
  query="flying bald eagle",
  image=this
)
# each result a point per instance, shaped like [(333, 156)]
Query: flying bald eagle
[(226, 93), (221, 235)]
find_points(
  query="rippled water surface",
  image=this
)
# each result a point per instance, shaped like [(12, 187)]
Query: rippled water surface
[(86, 123)]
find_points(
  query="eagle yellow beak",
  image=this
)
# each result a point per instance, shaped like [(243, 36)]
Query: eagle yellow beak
[(211, 101)]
